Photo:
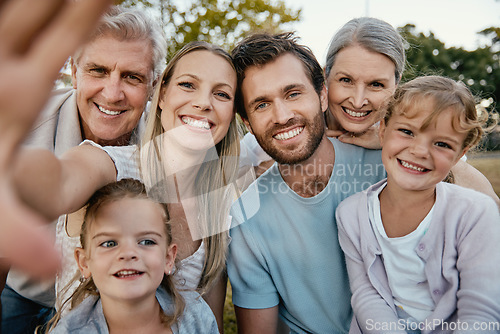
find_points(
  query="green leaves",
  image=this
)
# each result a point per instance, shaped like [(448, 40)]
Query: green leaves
[(222, 22)]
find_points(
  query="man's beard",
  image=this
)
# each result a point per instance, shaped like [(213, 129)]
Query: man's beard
[(316, 130)]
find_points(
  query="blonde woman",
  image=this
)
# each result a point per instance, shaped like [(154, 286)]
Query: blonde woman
[(188, 154)]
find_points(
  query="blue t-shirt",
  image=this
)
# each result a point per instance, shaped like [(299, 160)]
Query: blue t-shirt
[(285, 250)]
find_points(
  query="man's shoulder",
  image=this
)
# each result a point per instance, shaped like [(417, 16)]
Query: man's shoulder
[(57, 98), (53, 106), (256, 201)]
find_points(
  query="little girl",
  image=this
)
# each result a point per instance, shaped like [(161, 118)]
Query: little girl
[(126, 261), (423, 255)]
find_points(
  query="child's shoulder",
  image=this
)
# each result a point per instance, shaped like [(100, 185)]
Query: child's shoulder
[(197, 316), (463, 204), (85, 318), (354, 201), (463, 195)]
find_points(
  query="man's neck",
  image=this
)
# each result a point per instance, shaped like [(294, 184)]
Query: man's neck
[(308, 178), (123, 140)]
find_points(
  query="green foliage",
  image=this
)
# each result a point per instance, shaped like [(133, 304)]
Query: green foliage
[(222, 22), (479, 69)]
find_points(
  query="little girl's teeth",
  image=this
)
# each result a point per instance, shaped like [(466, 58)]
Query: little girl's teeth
[(410, 166), (109, 112), (355, 114), (289, 134), (123, 273), (196, 123)]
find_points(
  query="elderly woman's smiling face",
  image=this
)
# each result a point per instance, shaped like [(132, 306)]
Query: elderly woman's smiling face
[(359, 85)]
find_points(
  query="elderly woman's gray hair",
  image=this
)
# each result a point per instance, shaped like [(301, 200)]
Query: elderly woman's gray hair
[(374, 35)]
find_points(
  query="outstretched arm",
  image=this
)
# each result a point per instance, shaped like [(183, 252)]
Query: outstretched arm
[(36, 37), (53, 186)]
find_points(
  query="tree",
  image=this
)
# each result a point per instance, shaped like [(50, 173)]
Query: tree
[(479, 69), (222, 22)]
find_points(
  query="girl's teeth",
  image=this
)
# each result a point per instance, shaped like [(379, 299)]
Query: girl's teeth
[(196, 123), (126, 273), (289, 134), (410, 166), (109, 112), (355, 114)]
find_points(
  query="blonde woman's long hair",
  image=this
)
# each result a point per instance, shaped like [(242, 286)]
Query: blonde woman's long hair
[(218, 171)]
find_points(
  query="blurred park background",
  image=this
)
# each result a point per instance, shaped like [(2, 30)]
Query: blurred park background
[(477, 63), (225, 22)]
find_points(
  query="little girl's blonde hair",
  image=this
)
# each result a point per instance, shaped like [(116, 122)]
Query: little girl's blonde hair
[(445, 93)]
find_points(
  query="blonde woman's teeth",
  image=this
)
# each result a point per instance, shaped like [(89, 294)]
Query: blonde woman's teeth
[(109, 112), (289, 134), (410, 166), (200, 124), (355, 114)]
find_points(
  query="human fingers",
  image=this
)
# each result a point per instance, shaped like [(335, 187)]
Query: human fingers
[(21, 20), (68, 30), (25, 242), (333, 133), (368, 140), (28, 78)]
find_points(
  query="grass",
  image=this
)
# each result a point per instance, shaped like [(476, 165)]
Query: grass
[(229, 316), (488, 163)]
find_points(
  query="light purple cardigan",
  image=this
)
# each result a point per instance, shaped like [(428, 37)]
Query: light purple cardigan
[(462, 254)]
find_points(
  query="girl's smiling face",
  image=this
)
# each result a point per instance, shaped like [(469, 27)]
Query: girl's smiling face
[(127, 252), (416, 157), (198, 102), (359, 84)]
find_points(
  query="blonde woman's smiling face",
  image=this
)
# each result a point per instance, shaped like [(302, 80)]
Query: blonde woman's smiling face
[(359, 85), (199, 99)]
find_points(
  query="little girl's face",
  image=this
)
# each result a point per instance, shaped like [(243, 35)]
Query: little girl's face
[(127, 251), (416, 158)]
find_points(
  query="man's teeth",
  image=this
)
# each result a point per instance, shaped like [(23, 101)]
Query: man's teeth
[(410, 166), (196, 123), (356, 114), (109, 112), (289, 134), (124, 273)]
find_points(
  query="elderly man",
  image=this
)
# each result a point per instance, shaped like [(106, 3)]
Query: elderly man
[(113, 76)]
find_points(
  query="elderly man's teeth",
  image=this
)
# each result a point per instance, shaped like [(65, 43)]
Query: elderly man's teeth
[(355, 114), (109, 112), (201, 124), (410, 166), (289, 134)]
